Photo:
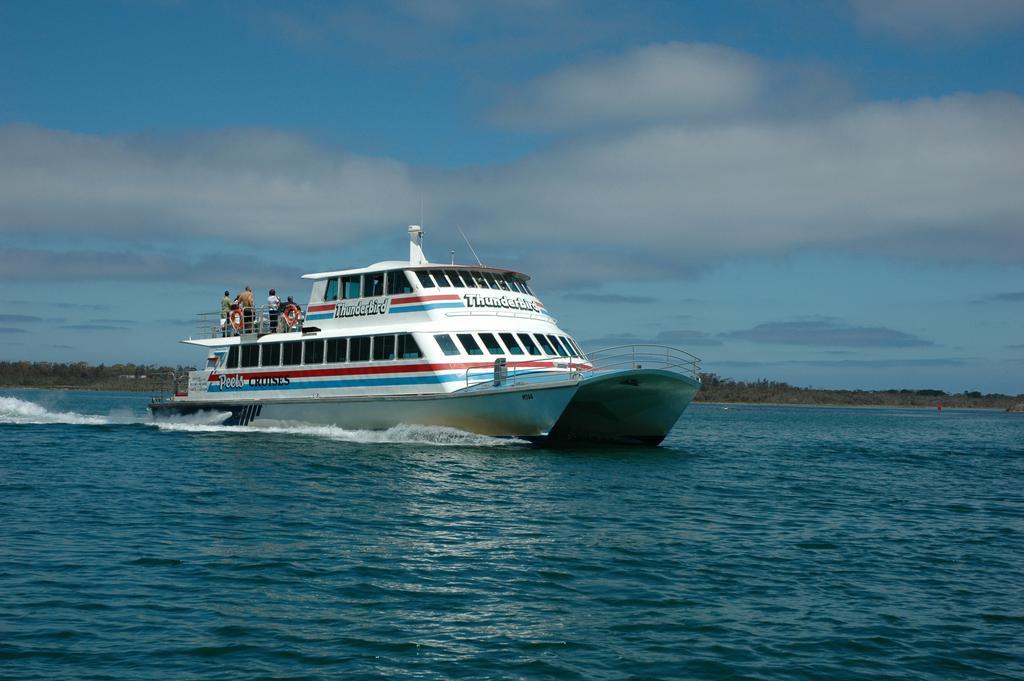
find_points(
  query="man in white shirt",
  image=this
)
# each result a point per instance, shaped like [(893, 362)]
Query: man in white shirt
[(274, 307)]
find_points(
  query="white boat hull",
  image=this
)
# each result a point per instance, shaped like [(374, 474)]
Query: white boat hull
[(630, 406), (515, 411)]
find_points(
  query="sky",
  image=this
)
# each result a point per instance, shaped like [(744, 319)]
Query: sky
[(826, 193)]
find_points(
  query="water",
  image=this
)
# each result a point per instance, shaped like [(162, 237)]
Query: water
[(758, 543)]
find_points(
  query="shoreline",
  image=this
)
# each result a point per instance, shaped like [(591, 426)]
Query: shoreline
[(710, 403)]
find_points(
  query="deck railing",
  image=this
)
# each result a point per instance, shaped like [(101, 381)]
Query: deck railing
[(644, 356), (258, 320), (618, 358)]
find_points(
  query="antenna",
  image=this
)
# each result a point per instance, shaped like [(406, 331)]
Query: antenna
[(478, 261), (453, 255)]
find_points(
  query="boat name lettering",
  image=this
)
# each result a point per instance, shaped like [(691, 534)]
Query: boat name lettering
[(263, 381), (238, 382), (364, 308), (230, 382), (507, 302)]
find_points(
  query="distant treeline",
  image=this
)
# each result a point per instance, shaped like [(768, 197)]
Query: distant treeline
[(718, 389), (82, 376), (149, 378)]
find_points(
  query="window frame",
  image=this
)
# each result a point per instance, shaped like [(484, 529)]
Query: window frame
[(497, 344), (346, 282), (545, 344), (355, 344), (311, 343), (264, 348), (379, 346), (287, 348), (514, 348), (343, 341), (402, 342), (429, 282), (397, 276), (474, 343), (369, 279), (452, 350)]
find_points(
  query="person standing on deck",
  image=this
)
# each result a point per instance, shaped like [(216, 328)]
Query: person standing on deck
[(225, 310), (273, 307), (246, 300)]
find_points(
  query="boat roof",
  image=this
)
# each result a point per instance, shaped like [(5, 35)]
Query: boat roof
[(406, 265)]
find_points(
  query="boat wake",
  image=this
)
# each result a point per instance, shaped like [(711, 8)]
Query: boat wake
[(401, 434), (14, 411)]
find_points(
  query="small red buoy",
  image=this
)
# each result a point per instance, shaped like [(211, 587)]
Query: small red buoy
[(940, 406)]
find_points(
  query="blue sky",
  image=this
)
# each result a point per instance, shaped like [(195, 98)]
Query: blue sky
[(823, 193)]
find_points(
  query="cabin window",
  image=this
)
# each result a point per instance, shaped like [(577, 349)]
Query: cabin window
[(250, 355), (425, 280), (313, 351), (456, 279), (233, 357), (510, 342), (398, 283), (528, 343), (516, 283), (359, 349), (271, 355), (332, 290), (350, 287), (467, 278), (558, 346), (478, 280), (575, 345), (469, 343), (566, 348), (569, 344), (446, 344), (407, 347), (548, 350), (373, 285), (384, 347), (337, 348), (489, 278), (291, 353), (492, 344), (440, 278), (502, 284)]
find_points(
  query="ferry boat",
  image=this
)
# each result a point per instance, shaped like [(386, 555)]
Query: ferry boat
[(415, 342)]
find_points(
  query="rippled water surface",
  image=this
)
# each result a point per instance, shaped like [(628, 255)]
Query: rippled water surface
[(758, 542)]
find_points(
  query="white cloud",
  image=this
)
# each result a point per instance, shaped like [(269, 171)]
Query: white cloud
[(930, 178), (249, 186), (652, 83), (959, 18)]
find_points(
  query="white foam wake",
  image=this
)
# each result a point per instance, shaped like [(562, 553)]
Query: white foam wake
[(16, 411), (401, 434)]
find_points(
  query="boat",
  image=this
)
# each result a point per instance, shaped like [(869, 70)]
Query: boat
[(419, 343)]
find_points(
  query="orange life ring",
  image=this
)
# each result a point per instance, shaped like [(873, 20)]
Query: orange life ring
[(291, 314), (235, 317)]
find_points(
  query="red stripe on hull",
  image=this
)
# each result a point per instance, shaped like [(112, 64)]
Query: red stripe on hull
[(422, 299), (395, 369)]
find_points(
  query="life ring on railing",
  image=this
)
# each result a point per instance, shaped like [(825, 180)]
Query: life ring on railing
[(236, 319), (290, 313)]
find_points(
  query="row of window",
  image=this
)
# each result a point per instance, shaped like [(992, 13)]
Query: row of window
[(509, 344), (367, 285), (329, 350), (472, 279), (397, 282)]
